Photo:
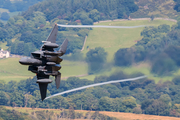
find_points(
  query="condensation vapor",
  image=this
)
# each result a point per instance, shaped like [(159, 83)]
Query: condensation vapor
[(97, 84), (99, 26)]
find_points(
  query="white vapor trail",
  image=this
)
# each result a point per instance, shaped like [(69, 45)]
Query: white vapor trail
[(99, 26), (97, 84)]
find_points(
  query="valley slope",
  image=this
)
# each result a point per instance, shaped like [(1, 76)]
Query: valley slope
[(110, 39)]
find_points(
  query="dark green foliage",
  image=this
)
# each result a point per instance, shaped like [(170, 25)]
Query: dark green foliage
[(4, 98), (1, 24), (65, 9), (174, 53), (3, 34), (100, 92), (123, 57), (5, 16), (96, 59), (146, 103), (152, 17), (156, 107), (164, 28), (87, 21), (176, 80), (137, 110), (163, 66), (177, 6)]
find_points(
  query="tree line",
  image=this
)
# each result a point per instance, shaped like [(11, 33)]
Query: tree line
[(141, 96), (84, 10)]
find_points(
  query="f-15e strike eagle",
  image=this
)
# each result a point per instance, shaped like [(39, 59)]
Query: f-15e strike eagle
[(46, 62)]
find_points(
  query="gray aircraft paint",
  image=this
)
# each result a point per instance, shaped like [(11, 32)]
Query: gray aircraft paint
[(97, 84), (99, 26)]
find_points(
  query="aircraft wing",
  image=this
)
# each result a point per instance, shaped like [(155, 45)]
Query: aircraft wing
[(52, 36)]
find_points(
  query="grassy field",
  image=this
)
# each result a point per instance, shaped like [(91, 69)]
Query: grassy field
[(118, 115), (12, 70), (113, 39)]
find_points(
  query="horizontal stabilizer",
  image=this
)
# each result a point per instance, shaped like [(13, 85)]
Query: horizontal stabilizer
[(58, 80), (43, 90), (63, 47)]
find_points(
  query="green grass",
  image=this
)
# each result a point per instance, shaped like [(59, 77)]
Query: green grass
[(70, 68), (12, 70), (11, 14), (4, 10)]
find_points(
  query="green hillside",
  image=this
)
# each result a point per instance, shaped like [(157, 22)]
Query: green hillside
[(113, 39), (158, 8), (110, 39)]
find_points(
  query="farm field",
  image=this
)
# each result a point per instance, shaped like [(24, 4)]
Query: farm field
[(118, 115)]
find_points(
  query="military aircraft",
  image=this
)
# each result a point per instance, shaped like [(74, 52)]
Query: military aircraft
[(46, 62)]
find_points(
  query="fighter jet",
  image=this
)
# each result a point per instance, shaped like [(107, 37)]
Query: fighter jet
[(46, 62)]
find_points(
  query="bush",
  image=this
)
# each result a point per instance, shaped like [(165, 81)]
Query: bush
[(163, 66), (5, 16)]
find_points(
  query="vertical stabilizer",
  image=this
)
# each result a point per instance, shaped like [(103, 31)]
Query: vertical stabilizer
[(63, 47), (52, 36), (43, 90)]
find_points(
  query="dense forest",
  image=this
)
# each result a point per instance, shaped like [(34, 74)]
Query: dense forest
[(141, 96)]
